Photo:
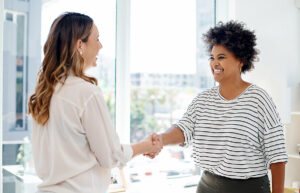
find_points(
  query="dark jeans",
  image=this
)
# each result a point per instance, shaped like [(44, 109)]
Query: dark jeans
[(211, 183)]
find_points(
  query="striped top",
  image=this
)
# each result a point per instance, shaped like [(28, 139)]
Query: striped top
[(236, 138)]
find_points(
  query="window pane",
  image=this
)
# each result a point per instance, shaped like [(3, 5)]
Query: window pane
[(20, 71), (169, 66), (14, 60)]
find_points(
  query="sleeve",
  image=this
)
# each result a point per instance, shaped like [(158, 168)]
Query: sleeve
[(187, 124), (101, 135), (273, 135)]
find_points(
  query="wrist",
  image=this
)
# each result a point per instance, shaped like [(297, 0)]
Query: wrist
[(277, 189), (136, 149), (163, 139)]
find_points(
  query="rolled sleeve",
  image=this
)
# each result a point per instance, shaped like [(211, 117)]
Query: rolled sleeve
[(273, 136), (274, 145), (187, 124), (125, 155)]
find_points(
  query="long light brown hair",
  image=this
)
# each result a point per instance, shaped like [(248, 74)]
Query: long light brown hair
[(60, 59)]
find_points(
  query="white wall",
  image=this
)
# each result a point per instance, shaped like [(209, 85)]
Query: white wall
[(277, 26)]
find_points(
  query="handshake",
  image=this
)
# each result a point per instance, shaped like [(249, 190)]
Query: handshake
[(153, 144)]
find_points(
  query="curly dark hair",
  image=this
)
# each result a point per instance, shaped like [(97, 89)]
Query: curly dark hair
[(236, 38)]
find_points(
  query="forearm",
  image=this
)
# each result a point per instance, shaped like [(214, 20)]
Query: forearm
[(173, 136), (278, 174), (138, 148)]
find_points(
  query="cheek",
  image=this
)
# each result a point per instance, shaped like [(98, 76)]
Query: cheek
[(97, 48), (231, 68), (226, 65)]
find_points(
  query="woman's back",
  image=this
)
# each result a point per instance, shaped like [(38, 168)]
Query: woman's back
[(61, 149)]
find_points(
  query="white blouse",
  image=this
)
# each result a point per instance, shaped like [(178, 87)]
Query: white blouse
[(75, 151)]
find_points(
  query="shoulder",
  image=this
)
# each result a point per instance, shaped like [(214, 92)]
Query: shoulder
[(206, 95), (263, 99), (77, 90), (259, 93), (82, 86), (208, 92), (88, 88)]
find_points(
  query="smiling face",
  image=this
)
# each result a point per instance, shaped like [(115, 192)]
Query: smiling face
[(224, 65), (91, 48)]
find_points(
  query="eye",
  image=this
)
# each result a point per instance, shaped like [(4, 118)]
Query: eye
[(221, 57), (211, 58)]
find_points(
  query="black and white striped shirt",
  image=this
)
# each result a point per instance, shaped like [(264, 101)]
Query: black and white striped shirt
[(236, 138)]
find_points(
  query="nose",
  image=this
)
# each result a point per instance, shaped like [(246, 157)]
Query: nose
[(214, 63), (100, 46)]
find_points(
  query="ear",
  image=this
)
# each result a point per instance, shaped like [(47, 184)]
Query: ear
[(79, 46), (241, 64)]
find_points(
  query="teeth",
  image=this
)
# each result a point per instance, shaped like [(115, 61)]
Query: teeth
[(218, 70)]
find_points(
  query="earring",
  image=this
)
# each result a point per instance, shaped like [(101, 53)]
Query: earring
[(80, 52)]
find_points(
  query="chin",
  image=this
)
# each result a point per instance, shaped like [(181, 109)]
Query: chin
[(217, 79)]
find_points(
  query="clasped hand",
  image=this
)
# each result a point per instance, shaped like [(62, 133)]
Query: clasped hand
[(155, 145)]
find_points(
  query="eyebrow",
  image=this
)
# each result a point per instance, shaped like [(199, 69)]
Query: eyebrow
[(219, 54)]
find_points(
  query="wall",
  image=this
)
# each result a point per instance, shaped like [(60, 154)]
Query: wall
[(277, 26)]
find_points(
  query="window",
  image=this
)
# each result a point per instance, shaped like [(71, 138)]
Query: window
[(168, 68)]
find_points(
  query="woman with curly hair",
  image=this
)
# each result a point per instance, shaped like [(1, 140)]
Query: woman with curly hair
[(73, 140), (235, 129)]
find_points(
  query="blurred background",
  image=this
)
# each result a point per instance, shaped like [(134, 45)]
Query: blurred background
[(153, 63)]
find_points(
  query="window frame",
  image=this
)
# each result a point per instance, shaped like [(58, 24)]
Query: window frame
[(123, 70), (1, 86), (25, 69)]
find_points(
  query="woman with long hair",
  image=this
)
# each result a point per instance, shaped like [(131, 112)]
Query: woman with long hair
[(73, 140)]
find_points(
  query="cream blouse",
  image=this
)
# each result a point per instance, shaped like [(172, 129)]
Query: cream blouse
[(75, 151)]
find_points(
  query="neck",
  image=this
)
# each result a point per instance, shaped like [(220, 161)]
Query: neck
[(231, 85), (231, 89)]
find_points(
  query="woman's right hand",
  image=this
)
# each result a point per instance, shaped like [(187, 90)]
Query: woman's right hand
[(153, 144), (147, 146)]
